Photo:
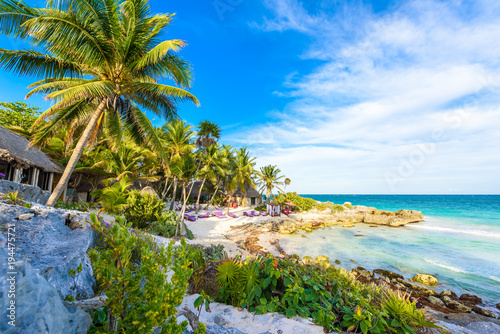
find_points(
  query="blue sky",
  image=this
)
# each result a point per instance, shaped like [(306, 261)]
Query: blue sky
[(367, 97)]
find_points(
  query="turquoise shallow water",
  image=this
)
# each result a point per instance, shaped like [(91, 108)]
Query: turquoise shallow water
[(459, 242)]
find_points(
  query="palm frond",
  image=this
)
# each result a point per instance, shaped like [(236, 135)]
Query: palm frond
[(34, 63), (13, 14)]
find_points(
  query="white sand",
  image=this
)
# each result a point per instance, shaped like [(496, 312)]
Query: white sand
[(215, 228)]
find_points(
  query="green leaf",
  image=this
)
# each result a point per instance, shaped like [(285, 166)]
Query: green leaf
[(198, 302), (258, 291), (364, 328), (266, 282), (290, 312)]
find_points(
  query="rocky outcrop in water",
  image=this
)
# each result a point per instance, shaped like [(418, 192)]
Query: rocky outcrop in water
[(37, 306), (55, 242), (426, 279), (314, 219)]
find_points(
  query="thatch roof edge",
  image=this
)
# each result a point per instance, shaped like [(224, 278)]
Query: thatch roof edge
[(15, 148)]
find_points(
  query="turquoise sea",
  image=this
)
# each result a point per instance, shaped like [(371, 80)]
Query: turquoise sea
[(459, 242)]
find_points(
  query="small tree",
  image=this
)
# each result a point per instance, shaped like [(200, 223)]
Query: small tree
[(17, 114)]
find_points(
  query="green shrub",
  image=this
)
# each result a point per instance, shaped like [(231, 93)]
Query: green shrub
[(334, 207), (113, 199), (142, 208), (165, 225), (260, 208), (84, 206), (330, 296), (303, 203), (140, 295), (306, 204)]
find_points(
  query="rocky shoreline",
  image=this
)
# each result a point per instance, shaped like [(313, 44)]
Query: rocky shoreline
[(346, 217), (52, 241), (263, 238)]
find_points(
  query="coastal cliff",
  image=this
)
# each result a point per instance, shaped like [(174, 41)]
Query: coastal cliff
[(314, 219)]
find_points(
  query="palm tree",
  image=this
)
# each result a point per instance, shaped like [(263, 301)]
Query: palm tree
[(177, 139), (184, 170), (269, 178), (242, 174), (213, 162), (287, 182), (227, 156), (100, 65), (208, 134), (129, 159)]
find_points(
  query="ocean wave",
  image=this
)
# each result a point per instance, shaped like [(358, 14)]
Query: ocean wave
[(446, 266), (495, 278), (481, 233)]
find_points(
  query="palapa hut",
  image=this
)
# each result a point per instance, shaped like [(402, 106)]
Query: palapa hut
[(288, 208), (250, 197), (21, 163)]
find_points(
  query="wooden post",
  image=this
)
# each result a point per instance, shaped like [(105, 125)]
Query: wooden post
[(17, 175), (34, 178), (51, 180)]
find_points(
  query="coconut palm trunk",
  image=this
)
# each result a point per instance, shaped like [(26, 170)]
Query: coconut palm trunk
[(165, 189), (228, 204), (75, 157), (199, 194), (180, 221), (173, 195), (212, 198)]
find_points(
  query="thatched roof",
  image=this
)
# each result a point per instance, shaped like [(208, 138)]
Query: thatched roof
[(196, 189), (250, 192), (15, 148)]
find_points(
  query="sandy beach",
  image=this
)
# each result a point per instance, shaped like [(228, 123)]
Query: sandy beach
[(215, 230)]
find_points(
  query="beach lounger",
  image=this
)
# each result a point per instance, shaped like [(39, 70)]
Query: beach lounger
[(263, 213), (255, 213), (232, 215), (206, 215), (247, 214), (190, 218), (219, 215)]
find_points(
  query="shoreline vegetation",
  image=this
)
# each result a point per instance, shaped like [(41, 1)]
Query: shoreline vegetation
[(239, 262)]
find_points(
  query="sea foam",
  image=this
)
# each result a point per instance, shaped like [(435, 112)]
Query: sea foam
[(481, 233), (446, 266)]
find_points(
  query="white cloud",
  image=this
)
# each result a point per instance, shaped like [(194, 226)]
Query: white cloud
[(388, 85)]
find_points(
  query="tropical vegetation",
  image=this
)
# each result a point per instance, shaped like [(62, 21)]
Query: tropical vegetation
[(332, 297), (125, 261), (101, 65)]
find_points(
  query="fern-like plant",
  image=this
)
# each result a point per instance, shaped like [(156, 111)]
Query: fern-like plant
[(113, 199)]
